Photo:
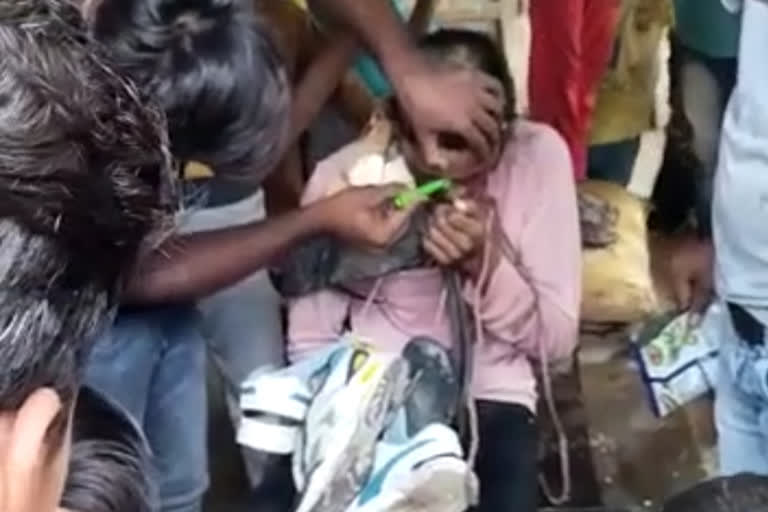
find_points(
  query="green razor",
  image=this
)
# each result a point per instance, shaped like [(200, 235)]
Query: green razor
[(408, 197)]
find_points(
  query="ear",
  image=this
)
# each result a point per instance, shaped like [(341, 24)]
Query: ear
[(36, 462)]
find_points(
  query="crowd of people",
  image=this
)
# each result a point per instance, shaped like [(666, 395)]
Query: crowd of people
[(181, 181)]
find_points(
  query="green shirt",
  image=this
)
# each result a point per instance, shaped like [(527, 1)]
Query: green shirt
[(707, 27)]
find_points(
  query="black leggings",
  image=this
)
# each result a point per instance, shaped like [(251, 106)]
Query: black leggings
[(507, 459)]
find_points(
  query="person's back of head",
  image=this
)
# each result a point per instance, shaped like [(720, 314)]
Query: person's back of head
[(109, 469), (85, 177), (740, 493), (216, 73)]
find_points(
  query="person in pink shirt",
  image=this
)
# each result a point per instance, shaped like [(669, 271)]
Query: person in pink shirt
[(514, 236)]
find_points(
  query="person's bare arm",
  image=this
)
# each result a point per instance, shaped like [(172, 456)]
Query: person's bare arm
[(320, 80), (422, 14), (192, 266), (436, 98)]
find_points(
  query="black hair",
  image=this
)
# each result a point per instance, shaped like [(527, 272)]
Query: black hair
[(85, 177), (214, 69), (109, 467), (475, 50), (740, 493)]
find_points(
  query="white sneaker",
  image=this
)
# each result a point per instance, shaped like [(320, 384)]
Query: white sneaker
[(273, 407), (425, 474), (274, 403), (354, 401)]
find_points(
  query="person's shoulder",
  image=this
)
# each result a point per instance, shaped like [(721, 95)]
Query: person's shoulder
[(540, 149)]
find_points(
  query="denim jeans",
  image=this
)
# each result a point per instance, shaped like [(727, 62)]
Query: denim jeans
[(152, 362), (741, 398), (241, 324)]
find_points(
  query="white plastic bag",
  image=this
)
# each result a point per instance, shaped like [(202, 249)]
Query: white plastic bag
[(678, 363)]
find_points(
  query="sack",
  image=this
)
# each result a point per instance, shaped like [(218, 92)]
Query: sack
[(617, 283)]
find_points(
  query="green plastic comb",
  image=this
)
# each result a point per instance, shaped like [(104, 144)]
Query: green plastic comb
[(408, 197)]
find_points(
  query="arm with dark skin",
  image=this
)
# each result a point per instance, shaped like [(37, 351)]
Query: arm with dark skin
[(327, 69), (192, 266), (437, 99)]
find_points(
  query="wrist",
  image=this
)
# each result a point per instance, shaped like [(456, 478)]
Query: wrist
[(319, 217), (400, 61)]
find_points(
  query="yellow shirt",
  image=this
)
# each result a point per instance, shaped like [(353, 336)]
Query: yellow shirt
[(625, 100)]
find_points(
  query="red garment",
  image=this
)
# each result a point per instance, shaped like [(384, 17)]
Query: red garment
[(571, 46)]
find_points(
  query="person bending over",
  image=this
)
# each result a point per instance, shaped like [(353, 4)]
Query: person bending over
[(513, 235), (84, 180)]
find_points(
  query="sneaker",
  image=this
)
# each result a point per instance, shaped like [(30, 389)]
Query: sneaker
[(425, 474), (356, 394), (435, 390), (274, 403)]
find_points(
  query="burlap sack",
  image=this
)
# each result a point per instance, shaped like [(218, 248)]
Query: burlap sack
[(617, 284)]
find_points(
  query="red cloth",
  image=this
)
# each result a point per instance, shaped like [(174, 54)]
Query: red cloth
[(571, 46)]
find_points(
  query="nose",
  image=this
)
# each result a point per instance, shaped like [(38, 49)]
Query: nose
[(436, 159)]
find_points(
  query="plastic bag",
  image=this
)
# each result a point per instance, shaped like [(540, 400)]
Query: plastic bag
[(617, 284), (678, 364)]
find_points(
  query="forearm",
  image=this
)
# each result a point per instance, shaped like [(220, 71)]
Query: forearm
[(421, 16), (319, 82), (377, 25), (196, 265)]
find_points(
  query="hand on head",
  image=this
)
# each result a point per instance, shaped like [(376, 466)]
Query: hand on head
[(442, 98)]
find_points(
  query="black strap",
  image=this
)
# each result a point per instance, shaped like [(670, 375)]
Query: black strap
[(747, 327), (461, 351)]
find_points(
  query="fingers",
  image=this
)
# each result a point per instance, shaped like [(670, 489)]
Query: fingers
[(443, 241), (489, 126), (682, 293), (437, 253), (384, 193), (492, 101), (701, 296)]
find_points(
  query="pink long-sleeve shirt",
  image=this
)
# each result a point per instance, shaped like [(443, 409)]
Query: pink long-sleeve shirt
[(524, 314)]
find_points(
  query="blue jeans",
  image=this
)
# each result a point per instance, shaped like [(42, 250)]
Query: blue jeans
[(741, 398), (152, 362), (241, 324)]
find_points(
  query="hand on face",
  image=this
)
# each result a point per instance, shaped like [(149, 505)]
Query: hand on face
[(365, 216), (456, 234), (441, 98)]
